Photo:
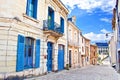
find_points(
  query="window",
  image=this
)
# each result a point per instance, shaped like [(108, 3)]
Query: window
[(32, 8), (99, 52), (50, 18), (94, 53), (62, 24), (82, 40), (75, 37), (70, 35), (82, 49), (28, 53), (106, 50), (87, 59)]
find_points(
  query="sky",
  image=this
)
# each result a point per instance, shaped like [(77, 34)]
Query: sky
[(93, 17)]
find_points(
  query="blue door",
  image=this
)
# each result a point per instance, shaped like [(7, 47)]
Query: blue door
[(60, 57), (49, 56)]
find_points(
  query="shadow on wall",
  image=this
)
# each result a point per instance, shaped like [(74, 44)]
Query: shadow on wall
[(14, 78)]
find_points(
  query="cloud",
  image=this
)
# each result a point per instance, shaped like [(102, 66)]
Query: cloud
[(98, 37), (104, 31), (106, 20), (90, 5)]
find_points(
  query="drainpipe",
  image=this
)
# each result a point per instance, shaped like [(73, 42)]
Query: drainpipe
[(117, 43), (78, 49), (7, 44), (10, 27), (67, 45)]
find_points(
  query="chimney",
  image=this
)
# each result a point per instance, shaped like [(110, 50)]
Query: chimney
[(74, 19)]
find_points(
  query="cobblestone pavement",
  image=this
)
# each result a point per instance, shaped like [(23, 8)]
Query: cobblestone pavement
[(101, 72)]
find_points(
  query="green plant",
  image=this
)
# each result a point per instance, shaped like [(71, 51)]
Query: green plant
[(67, 66)]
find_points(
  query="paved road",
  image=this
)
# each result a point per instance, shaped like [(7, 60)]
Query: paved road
[(102, 72)]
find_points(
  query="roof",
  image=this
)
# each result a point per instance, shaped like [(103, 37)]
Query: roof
[(86, 38), (69, 19), (93, 45), (62, 6), (102, 44)]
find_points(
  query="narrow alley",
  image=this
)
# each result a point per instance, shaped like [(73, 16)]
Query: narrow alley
[(98, 72)]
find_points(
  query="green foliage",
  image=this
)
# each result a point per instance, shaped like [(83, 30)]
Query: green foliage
[(67, 66)]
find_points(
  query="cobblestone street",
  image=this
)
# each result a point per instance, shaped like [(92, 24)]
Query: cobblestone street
[(102, 72)]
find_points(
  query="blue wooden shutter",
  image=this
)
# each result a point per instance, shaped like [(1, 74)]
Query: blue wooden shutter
[(62, 24), (37, 55), (20, 53), (35, 9)]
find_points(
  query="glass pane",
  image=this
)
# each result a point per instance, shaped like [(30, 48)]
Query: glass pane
[(26, 41), (31, 14), (30, 52), (28, 55), (31, 7), (25, 52), (30, 42)]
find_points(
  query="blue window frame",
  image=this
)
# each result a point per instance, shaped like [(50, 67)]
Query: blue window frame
[(32, 8)]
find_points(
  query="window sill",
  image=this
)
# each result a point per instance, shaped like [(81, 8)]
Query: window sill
[(30, 18)]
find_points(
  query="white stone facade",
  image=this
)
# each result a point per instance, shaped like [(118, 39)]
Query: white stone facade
[(14, 21), (112, 51)]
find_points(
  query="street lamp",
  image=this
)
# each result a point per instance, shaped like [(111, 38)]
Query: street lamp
[(107, 36)]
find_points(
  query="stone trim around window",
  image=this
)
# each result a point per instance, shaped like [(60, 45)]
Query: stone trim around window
[(30, 18)]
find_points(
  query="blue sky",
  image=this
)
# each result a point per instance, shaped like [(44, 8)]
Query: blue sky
[(93, 17)]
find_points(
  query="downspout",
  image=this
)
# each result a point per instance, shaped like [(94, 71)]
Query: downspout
[(5, 75), (117, 43), (67, 46), (7, 45), (10, 27)]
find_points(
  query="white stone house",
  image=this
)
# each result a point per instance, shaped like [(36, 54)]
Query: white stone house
[(32, 36)]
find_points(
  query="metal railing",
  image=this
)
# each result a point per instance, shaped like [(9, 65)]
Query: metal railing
[(47, 25)]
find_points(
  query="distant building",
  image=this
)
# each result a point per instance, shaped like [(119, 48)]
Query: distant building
[(112, 51), (82, 50), (73, 43), (87, 51), (102, 50), (93, 54)]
